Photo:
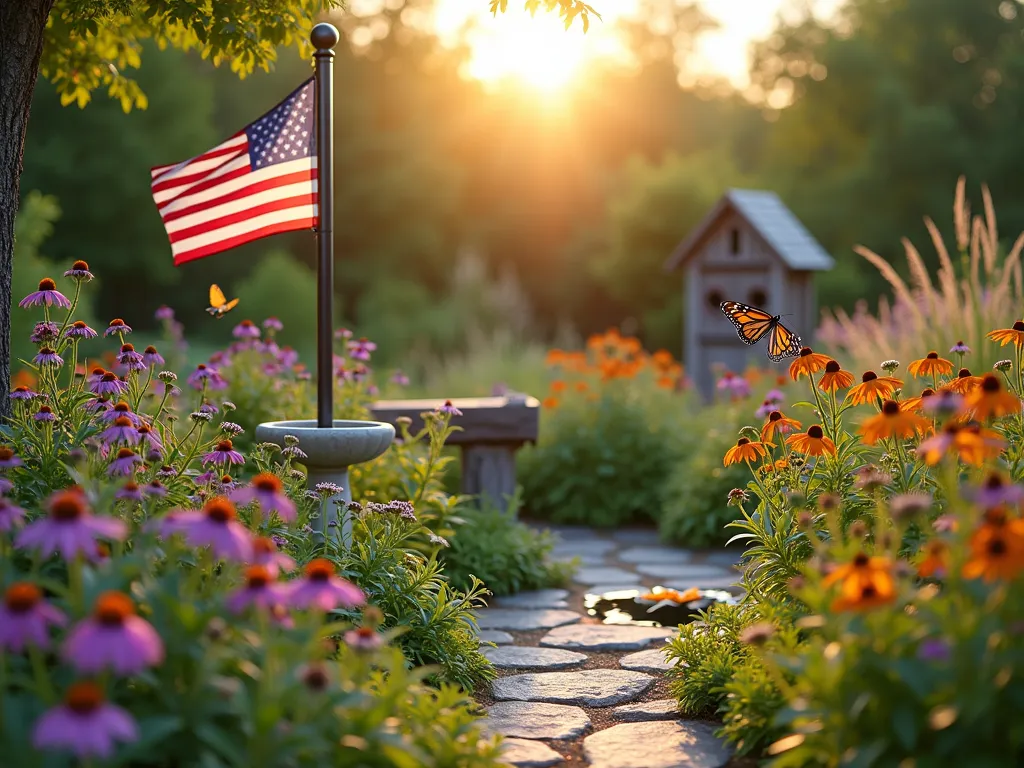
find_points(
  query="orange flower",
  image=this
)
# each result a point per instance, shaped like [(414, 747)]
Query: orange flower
[(990, 400), (997, 547), (866, 582), (936, 560), (1014, 335), (582, 386), (554, 357), (973, 444), (550, 402), (812, 442), (662, 360), (930, 365), (916, 404), (558, 386), (777, 422), (964, 382), (807, 363), (744, 450), (776, 466), (892, 421), (873, 386), (834, 377)]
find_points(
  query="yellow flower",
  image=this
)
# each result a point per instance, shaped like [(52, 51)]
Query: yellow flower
[(744, 450), (892, 421), (997, 547), (873, 386), (990, 400), (964, 382), (866, 582), (915, 404), (834, 377), (930, 365), (812, 442), (807, 363), (1014, 335), (777, 422)]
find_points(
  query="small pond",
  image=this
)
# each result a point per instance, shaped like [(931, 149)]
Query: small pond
[(656, 607)]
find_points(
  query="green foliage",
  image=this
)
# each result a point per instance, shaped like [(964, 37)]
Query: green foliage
[(600, 462), (506, 555)]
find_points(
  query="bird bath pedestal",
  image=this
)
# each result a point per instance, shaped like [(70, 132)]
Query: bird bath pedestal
[(331, 451)]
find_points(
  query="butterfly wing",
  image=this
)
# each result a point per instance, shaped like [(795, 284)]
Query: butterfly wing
[(216, 296), (230, 305), (751, 323), (783, 343)]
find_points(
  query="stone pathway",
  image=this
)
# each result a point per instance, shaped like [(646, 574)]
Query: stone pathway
[(572, 692)]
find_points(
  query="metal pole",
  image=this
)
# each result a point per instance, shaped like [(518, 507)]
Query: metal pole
[(324, 37)]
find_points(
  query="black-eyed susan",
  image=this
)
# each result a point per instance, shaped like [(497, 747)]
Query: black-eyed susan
[(930, 365), (964, 382), (812, 442), (997, 547), (809, 362), (865, 582), (972, 443), (935, 561), (1014, 335), (834, 377), (872, 387), (915, 404), (990, 400), (744, 450), (892, 421), (778, 423)]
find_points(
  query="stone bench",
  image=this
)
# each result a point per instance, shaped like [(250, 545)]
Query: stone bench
[(493, 429)]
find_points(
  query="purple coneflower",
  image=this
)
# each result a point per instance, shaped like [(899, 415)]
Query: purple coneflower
[(246, 329), (107, 384), (129, 491), (45, 413), (98, 405), (151, 357), (400, 379), (225, 484), (149, 438), (44, 332), (303, 375), (267, 491), (164, 312), (215, 526), (11, 515), (154, 488), (265, 553), (204, 374), (69, 528), (933, 649), (775, 396), (84, 724), (259, 590), (364, 639), (343, 333), (449, 409), (223, 453), (79, 330), (945, 523), (121, 431), (287, 357), (22, 392), (121, 408), (25, 618), (272, 324), (8, 458), (995, 490), (942, 403), (46, 295), (765, 409), (130, 359), (166, 472), (206, 478), (47, 357), (361, 349), (79, 271), (271, 369), (322, 589), (113, 638), (124, 463), (960, 349), (118, 326)]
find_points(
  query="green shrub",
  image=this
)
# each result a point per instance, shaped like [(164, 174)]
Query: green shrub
[(599, 462), (506, 555)]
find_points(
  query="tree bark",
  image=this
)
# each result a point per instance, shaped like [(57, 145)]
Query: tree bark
[(22, 23)]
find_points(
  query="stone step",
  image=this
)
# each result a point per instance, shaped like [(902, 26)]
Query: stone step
[(525, 619), (655, 555), (652, 660), (605, 637), (526, 657), (659, 709), (681, 572), (605, 574), (525, 753), (590, 688), (535, 720), (658, 744), (494, 636), (539, 598)]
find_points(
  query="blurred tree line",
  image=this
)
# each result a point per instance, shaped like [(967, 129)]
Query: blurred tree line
[(861, 123)]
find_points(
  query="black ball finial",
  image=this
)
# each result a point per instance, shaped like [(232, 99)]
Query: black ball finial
[(324, 35)]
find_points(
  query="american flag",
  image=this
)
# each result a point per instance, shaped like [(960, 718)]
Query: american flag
[(259, 182)]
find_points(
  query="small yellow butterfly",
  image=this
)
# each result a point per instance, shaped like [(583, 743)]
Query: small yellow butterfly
[(219, 306)]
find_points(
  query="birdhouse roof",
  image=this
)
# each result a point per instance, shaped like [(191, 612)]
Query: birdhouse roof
[(771, 219)]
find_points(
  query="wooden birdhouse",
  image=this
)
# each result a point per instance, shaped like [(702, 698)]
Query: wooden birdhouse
[(749, 248)]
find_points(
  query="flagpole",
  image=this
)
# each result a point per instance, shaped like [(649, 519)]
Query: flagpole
[(324, 37)]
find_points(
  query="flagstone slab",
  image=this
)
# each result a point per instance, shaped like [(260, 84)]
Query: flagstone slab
[(525, 753), (590, 688), (580, 560), (535, 720), (684, 572), (525, 619), (526, 657), (494, 636), (659, 709), (538, 598), (605, 575), (569, 532), (605, 637), (726, 557), (640, 537), (584, 547), (651, 660), (658, 744), (604, 589), (652, 555)]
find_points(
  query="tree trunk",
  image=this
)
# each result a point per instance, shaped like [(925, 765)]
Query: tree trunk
[(22, 23)]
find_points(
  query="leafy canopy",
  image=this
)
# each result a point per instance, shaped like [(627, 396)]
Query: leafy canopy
[(569, 10)]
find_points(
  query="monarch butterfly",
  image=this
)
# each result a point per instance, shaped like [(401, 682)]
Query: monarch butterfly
[(219, 306), (753, 324)]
